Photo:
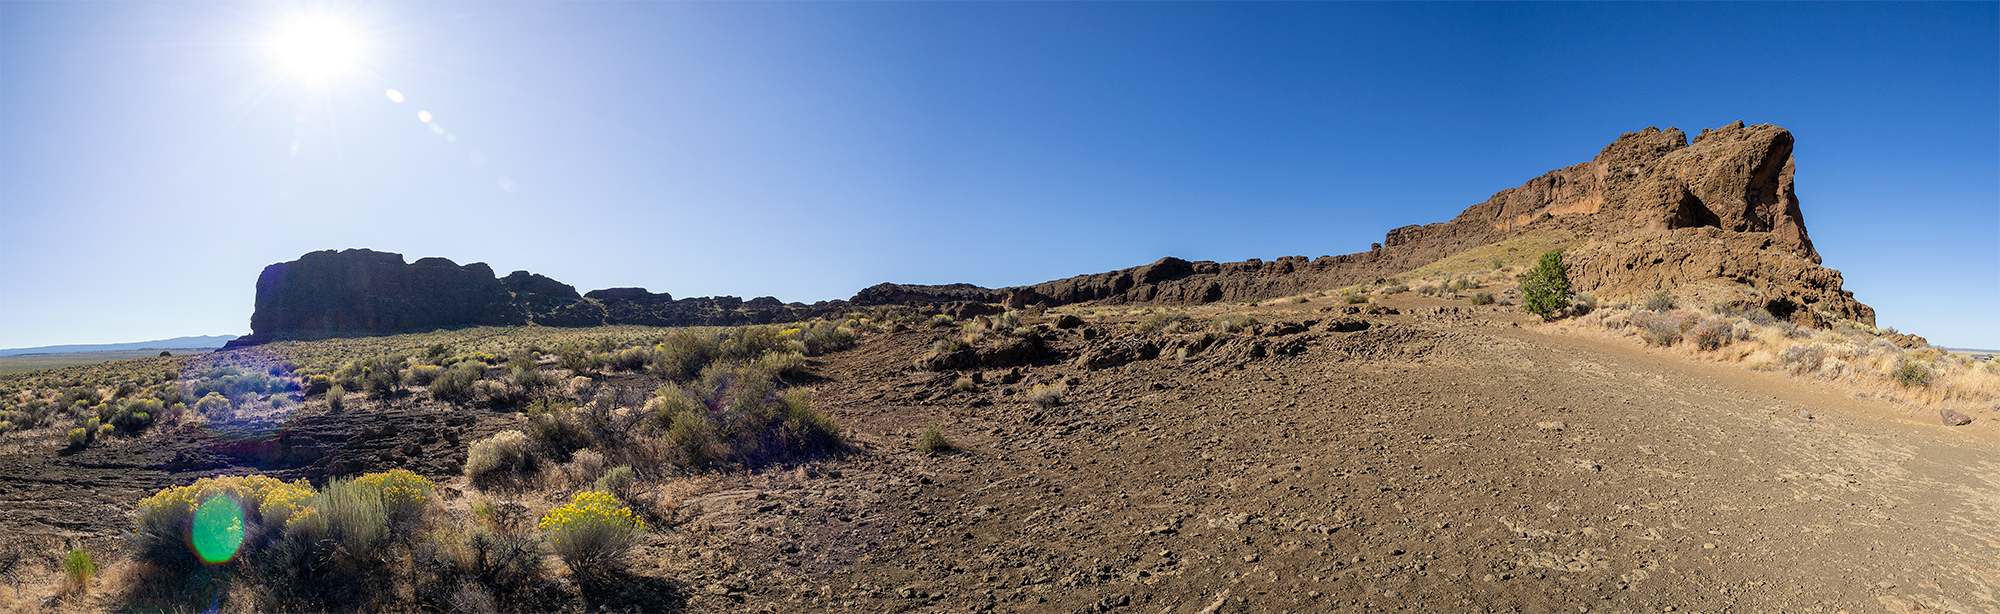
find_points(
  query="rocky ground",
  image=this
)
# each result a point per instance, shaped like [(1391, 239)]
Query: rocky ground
[(1443, 458)]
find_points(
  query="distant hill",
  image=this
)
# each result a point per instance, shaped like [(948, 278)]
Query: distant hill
[(202, 342)]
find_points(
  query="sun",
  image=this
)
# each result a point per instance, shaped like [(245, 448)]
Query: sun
[(316, 48)]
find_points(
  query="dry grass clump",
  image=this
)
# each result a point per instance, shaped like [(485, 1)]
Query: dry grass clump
[(1233, 323), (1853, 355), (1047, 395)]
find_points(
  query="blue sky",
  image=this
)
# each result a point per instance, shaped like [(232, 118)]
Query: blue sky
[(155, 156)]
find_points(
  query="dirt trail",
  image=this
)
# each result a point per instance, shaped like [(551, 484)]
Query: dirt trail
[(1419, 470)]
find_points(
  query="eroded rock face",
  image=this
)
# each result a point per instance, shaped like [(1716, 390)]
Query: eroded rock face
[(330, 293), (365, 292), (1716, 217)]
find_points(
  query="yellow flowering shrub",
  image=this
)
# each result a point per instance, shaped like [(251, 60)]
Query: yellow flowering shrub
[(404, 493), (592, 531)]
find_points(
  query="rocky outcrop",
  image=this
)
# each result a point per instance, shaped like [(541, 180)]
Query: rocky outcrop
[(1716, 218), (364, 292), (359, 291)]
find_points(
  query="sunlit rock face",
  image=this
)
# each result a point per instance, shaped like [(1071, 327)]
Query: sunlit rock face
[(1714, 218)]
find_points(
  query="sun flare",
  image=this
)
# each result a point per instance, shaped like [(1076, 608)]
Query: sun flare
[(316, 48)]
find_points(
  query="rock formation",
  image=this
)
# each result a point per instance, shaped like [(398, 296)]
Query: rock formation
[(1712, 220), (1716, 220), (365, 292)]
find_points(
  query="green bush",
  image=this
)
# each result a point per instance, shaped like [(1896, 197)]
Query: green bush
[(1482, 298), (422, 375), (336, 397), (502, 458), (558, 432), (941, 321), (1912, 373), (214, 407), (78, 437), (736, 412), (348, 513), (620, 480), (1545, 288), (933, 442), (1659, 301), (782, 364), (964, 383), (592, 532), (78, 568), (456, 383), (1354, 298)]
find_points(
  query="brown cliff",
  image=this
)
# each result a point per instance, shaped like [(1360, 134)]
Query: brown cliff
[(1716, 219)]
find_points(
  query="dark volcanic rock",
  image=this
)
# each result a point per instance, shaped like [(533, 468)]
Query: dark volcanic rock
[(901, 294), (331, 293), (364, 292)]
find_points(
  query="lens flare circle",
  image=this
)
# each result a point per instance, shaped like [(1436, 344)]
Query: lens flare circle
[(395, 96), (217, 531), (317, 47), (424, 116)]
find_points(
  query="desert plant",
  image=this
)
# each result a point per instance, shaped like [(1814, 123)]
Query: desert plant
[(336, 398), (214, 407), (941, 321), (1912, 373), (964, 383), (782, 364), (1710, 335), (1353, 298), (403, 493), (78, 437), (557, 432), (502, 458), (933, 442), (456, 383), (1659, 301), (78, 568), (1663, 329), (1545, 288), (1165, 321), (422, 375), (1233, 323), (621, 481), (1047, 395), (1482, 298), (592, 532), (348, 513)]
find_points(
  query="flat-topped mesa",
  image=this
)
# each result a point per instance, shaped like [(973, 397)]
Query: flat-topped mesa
[(1716, 220), (365, 292)]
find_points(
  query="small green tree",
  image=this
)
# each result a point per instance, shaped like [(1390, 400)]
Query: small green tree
[(1545, 288)]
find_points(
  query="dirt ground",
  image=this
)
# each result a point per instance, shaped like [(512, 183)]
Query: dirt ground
[(1443, 459)]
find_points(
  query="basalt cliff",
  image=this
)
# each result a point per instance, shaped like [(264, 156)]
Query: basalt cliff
[(1713, 219)]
